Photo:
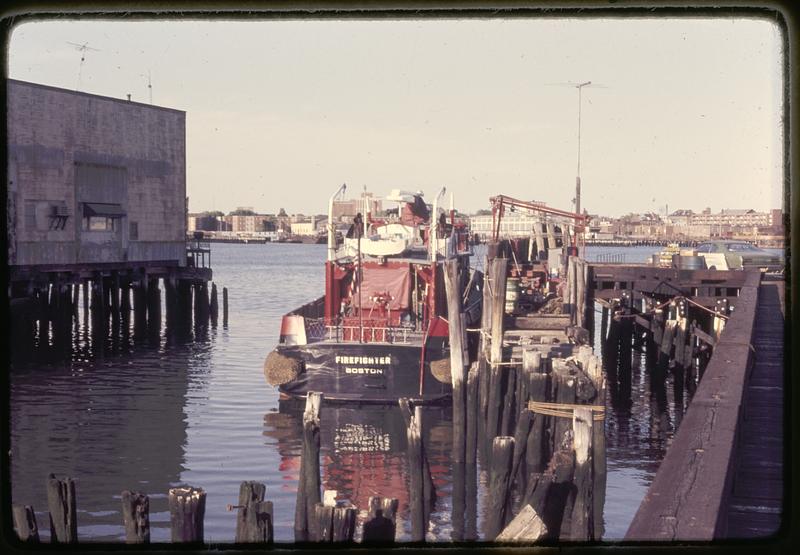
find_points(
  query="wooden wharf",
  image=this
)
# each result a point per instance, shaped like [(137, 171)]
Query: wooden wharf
[(722, 476)]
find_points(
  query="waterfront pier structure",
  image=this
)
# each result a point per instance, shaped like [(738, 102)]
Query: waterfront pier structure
[(720, 334), (96, 216)]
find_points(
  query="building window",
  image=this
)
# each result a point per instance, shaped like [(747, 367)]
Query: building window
[(133, 231), (99, 223)]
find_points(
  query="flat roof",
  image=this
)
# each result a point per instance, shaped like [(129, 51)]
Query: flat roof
[(81, 93)]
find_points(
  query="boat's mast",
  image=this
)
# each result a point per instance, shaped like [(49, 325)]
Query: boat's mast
[(331, 226)]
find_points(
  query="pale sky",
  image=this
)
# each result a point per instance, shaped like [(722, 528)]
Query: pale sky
[(280, 113)]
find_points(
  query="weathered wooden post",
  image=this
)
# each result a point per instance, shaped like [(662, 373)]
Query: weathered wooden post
[(25, 523), (582, 525), (333, 524), (153, 306), (115, 303), (473, 416), (380, 524), (136, 517), (254, 518), (61, 503), (85, 294), (187, 509), (309, 486), (497, 279), (415, 469), (509, 402), (224, 306), (535, 460), (457, 366), (214, 305), (499, 474), (598, 453), (76, 290), (139, 307)]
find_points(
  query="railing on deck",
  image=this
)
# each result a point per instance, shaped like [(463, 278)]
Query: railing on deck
[(317, 330)]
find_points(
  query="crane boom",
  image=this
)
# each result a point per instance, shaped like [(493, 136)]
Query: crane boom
[(499, 203)]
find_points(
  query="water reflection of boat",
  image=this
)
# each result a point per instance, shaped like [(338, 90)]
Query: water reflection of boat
[(380, 330), (363, 448)]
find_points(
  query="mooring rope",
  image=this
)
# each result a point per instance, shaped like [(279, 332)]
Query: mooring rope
[(564, 410)]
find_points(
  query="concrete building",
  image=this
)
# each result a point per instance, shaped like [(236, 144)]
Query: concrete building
[(733, 218), (93, 179), (513, 224)]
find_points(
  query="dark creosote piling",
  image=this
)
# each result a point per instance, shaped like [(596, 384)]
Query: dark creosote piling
[(499, 474), (136, 517), (308, 488), (416, 465)]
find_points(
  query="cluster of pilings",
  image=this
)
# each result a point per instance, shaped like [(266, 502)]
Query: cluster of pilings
[(319, 517), (674, 335), (531, 411), (59, 312), (330, 521)]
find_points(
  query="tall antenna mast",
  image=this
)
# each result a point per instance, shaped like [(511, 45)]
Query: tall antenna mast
[(149, 85), (82, 48)]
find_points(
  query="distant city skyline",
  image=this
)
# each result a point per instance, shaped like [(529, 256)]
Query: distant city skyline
[(280, 113)]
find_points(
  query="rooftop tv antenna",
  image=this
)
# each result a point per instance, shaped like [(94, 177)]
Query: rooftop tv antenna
[(149, 85), (83, 48)]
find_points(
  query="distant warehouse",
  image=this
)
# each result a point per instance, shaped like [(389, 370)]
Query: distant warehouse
[(93, 179)]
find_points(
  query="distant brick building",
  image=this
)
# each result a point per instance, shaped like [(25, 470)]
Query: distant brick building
[(93, 179)]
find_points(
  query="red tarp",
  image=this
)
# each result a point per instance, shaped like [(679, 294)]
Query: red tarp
[(380, 281)]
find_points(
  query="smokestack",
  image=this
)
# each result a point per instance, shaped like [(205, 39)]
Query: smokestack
[(129, 98)]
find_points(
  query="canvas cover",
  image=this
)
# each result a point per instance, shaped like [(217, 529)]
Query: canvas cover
[(392, 280)]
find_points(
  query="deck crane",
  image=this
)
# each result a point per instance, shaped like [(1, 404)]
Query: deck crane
[(500, 202)]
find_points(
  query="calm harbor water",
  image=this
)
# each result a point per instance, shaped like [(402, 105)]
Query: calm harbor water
[(156, 415)]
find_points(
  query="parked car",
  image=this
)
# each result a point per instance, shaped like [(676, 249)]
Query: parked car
[(738, 255)]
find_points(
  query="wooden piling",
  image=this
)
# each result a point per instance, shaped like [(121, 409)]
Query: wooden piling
[(497, 274), (333, 524), (537, 391), (564, 385), (62, 505), (224, 306), (136, 517), (76, 290), (214, 305), (153, 306), (456, 324), (139, 307), (115, 314), (598, 452), (85, 295), (309, 486), (25, 523), (254, 518), (415, 469), (473, 416), (508, 403), (582, 525), (499, 474), (187, 508)]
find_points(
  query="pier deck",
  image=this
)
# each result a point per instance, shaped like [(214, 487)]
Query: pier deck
[(756, 504)]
